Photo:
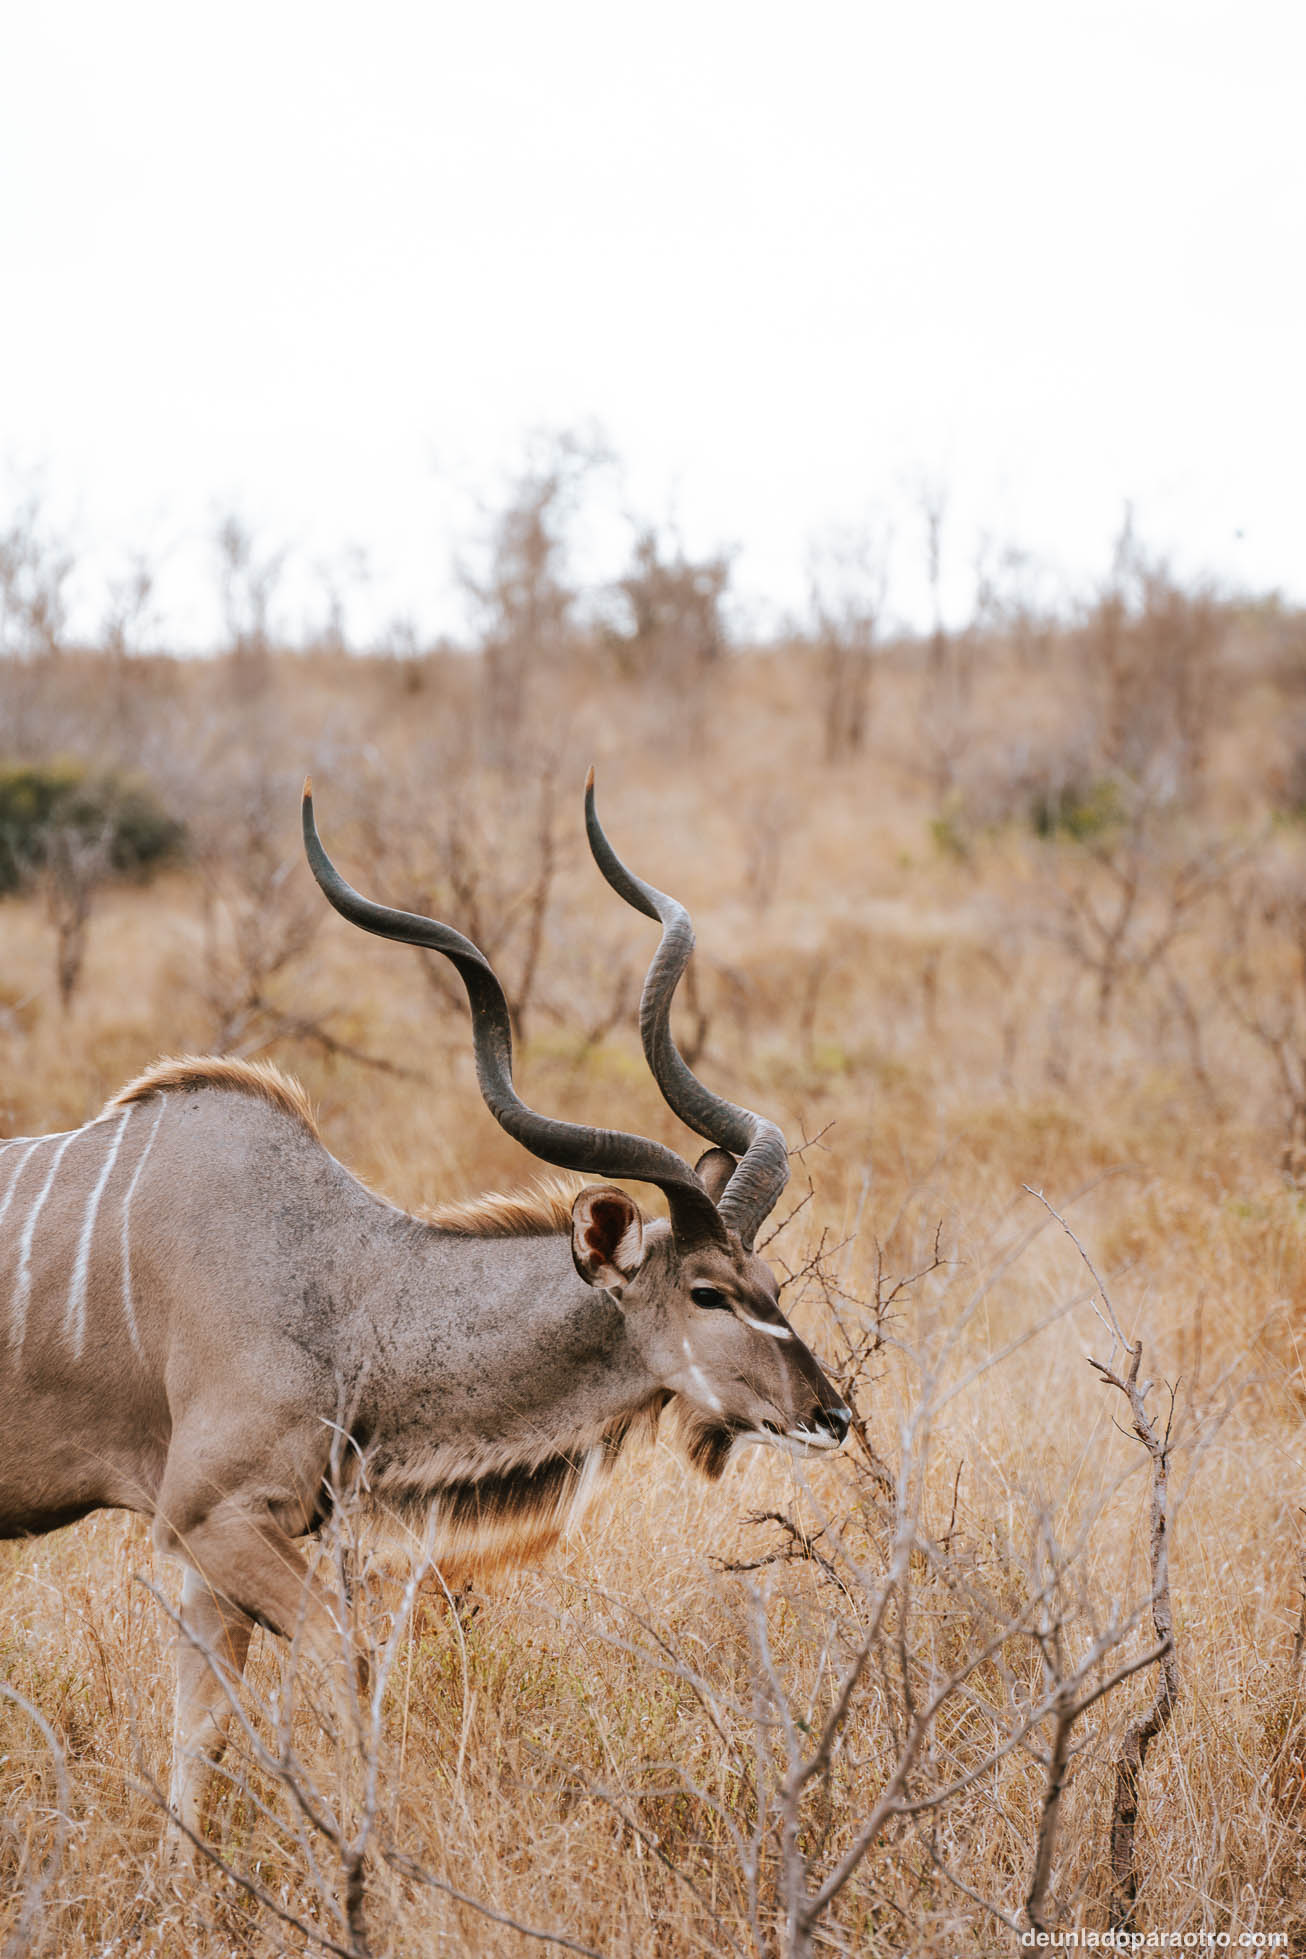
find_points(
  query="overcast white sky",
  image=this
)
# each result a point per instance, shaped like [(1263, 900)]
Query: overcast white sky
[(328, 265)]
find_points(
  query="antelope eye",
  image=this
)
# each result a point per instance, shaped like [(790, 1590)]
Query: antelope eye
[(708, 1296)]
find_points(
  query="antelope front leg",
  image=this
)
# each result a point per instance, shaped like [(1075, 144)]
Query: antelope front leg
[(249, 1559), (212, 1646), (243, 1569)]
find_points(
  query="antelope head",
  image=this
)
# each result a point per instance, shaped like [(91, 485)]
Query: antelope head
[(741, 1371), (701, 1308)]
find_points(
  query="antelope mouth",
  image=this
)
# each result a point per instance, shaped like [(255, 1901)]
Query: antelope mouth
[(794, 1441), (813, 1439)]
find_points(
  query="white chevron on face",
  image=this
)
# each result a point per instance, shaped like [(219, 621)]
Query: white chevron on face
[(767, 1326)]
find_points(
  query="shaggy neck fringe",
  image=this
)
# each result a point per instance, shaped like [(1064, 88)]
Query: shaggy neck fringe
[(543, 1210), (473, 1525)]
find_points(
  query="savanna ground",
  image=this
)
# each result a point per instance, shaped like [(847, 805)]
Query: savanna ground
[(1020, 907)]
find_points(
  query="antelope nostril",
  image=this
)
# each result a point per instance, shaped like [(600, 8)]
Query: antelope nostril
[(838, 1420)]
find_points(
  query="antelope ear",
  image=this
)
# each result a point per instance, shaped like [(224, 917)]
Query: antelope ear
[(716, 1168), (607, 1237)]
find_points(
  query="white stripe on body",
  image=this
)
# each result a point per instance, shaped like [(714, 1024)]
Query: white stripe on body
[(23, 1285), (128, 1302), (13, 1182), (74, 1323)]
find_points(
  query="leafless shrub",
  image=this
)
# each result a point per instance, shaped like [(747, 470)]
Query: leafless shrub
[(483, 853), (1149, 653), (249, 581), (257, 927), (944, 713), (928, 1668), (521, 591), (131, 614), (674, 634), (76, 868), (259, 913), (848, 579), (340, 577), (1260, 977), (1014, 603), (35, 567), (933, 506), (1131, 1758), (1120, 897)]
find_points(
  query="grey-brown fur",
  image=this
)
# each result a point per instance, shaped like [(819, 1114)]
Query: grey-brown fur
[(265, 1295)]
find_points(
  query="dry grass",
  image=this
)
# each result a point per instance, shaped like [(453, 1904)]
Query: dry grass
[(894, 978)]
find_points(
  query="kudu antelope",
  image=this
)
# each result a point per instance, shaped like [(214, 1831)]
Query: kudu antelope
[(199, 1294)]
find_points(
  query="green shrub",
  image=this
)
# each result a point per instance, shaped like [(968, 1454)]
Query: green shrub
[(952, 830), (1081, 810), (39, 802)]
